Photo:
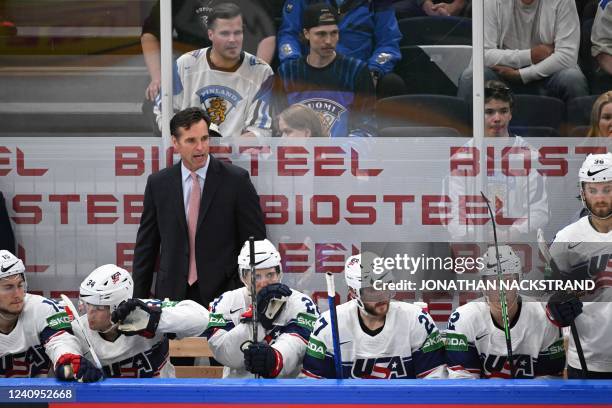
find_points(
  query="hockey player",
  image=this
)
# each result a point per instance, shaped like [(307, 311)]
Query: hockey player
[(34, 331), (285, 315), (379, 338), (137, 344), (583, 250), (232, 86), (475, 340)]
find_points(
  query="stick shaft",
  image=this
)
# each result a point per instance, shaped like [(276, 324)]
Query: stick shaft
[(75, 315), (331, 294)]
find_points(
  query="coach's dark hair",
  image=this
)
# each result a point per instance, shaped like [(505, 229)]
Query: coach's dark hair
[(224, 11), (187, 118)]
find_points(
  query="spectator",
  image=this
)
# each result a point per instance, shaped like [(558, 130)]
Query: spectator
[(368, 31), (7, 239), (601, 37), (338, 87), (522, 199), (233, 86), (533, 46), (445, 8), (300, 121), (190, 21), (601, 116), (199, 242)]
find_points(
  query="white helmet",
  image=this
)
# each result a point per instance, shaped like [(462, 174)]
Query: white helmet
[(357, 277), (509, 261), (597, 168), (107, 285), (10, 265), (266, 256)]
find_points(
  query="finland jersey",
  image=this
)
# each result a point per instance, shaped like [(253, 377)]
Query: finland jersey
[(409, 345), (38, 339), (342, 92), (581, 252), (289, 335), (137, 356), (476, 346), (237, 101)]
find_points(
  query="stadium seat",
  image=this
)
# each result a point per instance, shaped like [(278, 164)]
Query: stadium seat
[(579, 111), (194, 347), (433, 69), (534, 131), (537, 111), (436, 31), (418, 131), (424, 110)]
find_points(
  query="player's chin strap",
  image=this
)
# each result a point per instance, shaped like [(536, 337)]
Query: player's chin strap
[(111, 328), (8, 318)]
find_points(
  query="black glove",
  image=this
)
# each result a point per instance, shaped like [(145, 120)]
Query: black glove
[(270, 302), (262, 359), (69, 364), (136, 317), (563, 307)]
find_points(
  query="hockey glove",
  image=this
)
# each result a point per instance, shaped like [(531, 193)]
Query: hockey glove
[(562, 308), (136, 317), (263, 359), (270, 302), (69, 364)]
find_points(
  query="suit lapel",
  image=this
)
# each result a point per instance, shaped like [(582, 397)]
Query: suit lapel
[(213, 178), (177, 183)]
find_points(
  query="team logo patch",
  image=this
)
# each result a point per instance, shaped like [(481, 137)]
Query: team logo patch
[(289, 8), (455, 342), (306, 321), (218, 101), (115, 277), (216, 320), (286, 50), (59, 321), (316, 348), (433, 342), (383, 58), (331, 110)]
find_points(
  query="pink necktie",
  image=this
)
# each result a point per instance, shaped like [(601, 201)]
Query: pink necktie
[(192, 222)]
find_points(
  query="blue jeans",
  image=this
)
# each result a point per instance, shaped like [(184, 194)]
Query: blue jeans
[(565, 84)]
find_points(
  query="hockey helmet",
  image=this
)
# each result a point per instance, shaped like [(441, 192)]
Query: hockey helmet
[(266, 256), (107, 285), (509, 261), (359, 277), (597, 168), (10, 265)]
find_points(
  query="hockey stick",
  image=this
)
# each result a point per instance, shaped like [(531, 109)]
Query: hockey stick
[(502, 292), (331, 294), (543, 247), (75, 314), (255, 321)]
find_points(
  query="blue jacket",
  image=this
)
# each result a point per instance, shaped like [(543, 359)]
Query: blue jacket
[(368, 31)]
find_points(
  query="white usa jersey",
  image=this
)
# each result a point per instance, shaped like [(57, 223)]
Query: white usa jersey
[(237, 101), (581, 252), (139, 357), (288, 336), (38, 339), (518, 196), (476, 345), (409, 345)]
